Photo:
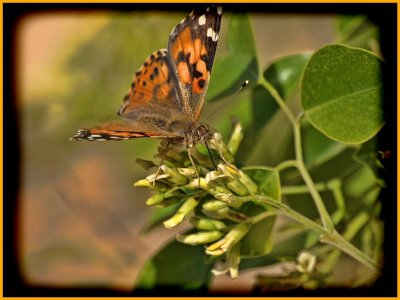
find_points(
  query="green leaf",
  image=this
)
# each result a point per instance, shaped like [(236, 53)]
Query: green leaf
[(285, 73), (232, 70), (229, 74), (267, 180), (176, 264), (240, 36), (258, 241), (342, 93), (317, 147)]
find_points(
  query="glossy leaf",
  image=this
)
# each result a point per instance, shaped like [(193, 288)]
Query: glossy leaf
[(258, 241), (342, 93), (176, 264), (239, 65)]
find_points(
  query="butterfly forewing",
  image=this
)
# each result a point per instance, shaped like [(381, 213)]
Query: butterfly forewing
[(167, 93), (191, 49)]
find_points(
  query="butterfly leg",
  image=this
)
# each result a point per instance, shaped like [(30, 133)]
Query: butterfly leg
[(212, 160), (162, 160), (194, 166)]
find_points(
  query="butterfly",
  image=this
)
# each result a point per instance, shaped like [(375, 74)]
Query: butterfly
[(167, 93)]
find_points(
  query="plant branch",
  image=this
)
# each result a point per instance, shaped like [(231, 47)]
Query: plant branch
[(331, 238), (325, 218)]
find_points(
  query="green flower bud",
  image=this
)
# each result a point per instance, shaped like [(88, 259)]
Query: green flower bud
[(230, 199), (219, 210), (246, 181), (186, 208), (207, 224), (174, 176), (197, 183), (168, 202), (235, 138), (214, 205), (187, 172), (231, 263), (231, 238), (155, 199), (143, 183), (201, 237)]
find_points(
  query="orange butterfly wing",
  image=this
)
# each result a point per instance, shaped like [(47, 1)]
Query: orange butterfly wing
[(170, 86), (192, 46)]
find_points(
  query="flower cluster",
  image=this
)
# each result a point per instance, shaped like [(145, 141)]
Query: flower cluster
[(211, 202)]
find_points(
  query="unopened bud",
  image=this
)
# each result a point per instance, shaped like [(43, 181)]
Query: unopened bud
[(207, 224), (186, 208), (201, 237)]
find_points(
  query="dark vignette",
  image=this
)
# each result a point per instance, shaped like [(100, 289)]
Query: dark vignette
[(383, 15)]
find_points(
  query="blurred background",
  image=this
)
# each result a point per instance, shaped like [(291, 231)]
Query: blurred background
[(79, 218)]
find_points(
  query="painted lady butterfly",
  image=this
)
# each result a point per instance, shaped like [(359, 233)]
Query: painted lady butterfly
[(166, 96)]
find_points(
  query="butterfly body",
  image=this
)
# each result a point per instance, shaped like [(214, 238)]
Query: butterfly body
[(167, 93)]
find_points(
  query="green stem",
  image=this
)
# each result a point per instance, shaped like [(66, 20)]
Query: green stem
[(301, 189), (262, 216), (328, 237), (325, 218), (328, 232), (286, 164), (274, 93)]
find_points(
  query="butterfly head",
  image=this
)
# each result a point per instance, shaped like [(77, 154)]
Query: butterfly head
[(199, 133)]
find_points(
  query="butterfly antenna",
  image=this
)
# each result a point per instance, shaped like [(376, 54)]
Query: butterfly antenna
[(229, 99)]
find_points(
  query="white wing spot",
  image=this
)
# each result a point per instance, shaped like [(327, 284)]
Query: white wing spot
[(207, 9), (202, 20), (212, 34), (219, 10), (173, 29)]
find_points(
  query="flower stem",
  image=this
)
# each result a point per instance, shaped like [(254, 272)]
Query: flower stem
[(331, 238), (325, 218), (328, 233)]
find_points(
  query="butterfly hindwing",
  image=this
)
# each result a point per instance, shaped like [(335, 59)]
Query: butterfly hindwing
[(152, 86)]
